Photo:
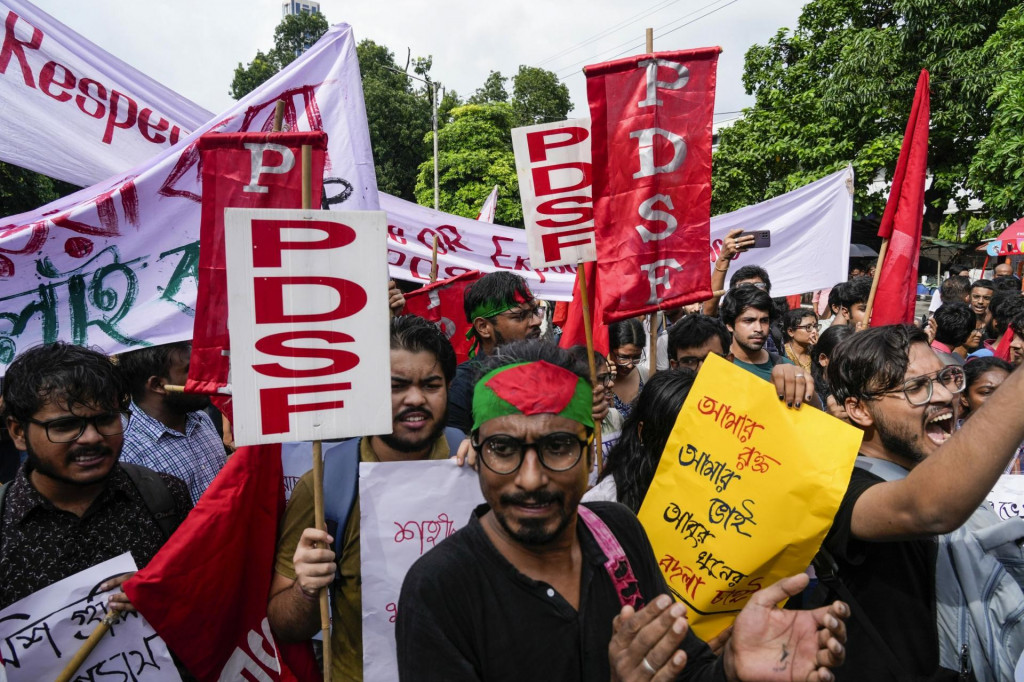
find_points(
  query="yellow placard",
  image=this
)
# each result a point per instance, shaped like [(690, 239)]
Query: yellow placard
[(745, 492)]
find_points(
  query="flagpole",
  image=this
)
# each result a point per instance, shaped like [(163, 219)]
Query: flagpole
[(874, 283), (433, 261), (87, 646), (318, 461), (652, 352), (581, 276)]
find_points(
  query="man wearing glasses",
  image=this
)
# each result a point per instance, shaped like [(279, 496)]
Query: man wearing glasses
[(72, 505), (500, 309), (915, 480), (526, 590)]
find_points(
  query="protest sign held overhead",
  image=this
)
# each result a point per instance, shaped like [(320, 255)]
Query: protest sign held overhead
[(40, 633), (742, 495), (651, 149), (308, 320), (441, 303), (554, 169)]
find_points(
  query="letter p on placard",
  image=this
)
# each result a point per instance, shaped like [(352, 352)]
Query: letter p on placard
[(308, 323)]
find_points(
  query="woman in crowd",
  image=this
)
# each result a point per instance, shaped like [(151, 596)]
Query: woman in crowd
[(634, 458), (984, 375), (800, 326), (820, 355), (626, 341)]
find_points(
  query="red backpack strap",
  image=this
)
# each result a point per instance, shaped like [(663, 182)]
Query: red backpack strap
[(617, 565)]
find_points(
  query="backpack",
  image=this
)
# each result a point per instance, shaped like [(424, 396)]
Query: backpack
[(154, 492), (341, 478), (979, 600)]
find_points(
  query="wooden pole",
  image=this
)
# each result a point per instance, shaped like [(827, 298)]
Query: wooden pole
[(278, 115), (581, 275), (318, 461), (650, 41), (433, 261), (652, 352), (87, 646), (874, 283)]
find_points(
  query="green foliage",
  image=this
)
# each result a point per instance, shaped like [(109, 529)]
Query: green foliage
[(997, 170), (294, 35), (839, 88), (492, 91), (972, 231), (23, 190), (475, 154), (538, 97)]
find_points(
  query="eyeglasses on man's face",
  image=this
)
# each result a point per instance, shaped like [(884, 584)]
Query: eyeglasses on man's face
[(69, 429), (557, 452), (918, 390), (693, 361), (525, 314)]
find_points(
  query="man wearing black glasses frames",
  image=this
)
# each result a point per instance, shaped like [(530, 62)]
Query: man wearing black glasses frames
[(916, 480), (540, 587), (72, 504)]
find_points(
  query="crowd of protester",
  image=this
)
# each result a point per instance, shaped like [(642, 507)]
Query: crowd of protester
[(520, 592)]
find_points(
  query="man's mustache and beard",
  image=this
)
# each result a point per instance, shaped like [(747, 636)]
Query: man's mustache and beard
[(415, 442), (43, 467), (183, 403), (532, 531)]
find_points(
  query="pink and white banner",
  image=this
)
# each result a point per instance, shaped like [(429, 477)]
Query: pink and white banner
[(115, 265)]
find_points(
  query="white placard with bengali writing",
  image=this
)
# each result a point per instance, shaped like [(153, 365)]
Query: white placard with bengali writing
[(405, 509), (40, 633), (1007, 497)]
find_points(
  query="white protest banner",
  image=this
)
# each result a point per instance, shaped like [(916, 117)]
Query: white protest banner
[(309, 348), (1007, 497), (554, 169), (405, 509), (114, 265), (91, 110), (40, 633)]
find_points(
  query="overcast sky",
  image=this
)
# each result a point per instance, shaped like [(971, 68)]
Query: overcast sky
[(193, 47)]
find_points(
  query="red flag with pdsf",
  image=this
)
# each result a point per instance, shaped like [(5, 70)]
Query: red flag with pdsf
[(896, 295), (651, 147), (240, 170), (441, 303)]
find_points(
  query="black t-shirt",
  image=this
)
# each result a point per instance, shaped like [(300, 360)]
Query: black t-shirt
[(894, 586), (466, 613)]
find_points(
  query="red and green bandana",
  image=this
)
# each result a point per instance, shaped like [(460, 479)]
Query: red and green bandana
[(491, 309), (532, 388)]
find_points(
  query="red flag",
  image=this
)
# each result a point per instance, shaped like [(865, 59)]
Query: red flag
[(1003, 352), (651, 146), (573, 330), (896, 296), (441, 303), (240, 170), (205, 592)]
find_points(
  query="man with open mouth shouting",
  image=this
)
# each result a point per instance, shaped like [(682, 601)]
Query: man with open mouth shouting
[(915, 480)]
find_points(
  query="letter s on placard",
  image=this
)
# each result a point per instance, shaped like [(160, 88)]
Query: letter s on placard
[(277, 345), (650, 214)]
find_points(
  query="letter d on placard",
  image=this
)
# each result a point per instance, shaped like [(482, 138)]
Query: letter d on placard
[(258, 152)]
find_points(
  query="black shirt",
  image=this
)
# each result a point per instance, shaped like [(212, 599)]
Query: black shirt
[(466, 613), (41, 544), (460, 394), (894, 587)]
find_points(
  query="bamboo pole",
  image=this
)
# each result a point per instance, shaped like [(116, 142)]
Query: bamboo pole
[(318, 462), (581, 275), (278, 115), (433, 261), (87, 646), (874, 283), (650, 41)]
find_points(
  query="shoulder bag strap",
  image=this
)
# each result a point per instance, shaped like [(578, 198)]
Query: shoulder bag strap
[(621, 573)]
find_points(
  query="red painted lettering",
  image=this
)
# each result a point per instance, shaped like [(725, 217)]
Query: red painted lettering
[(67, 80), (99, 97), (452, 237), (538, 142), (275, 407), (145, 126), (130, 115), (543, 183), (498, 253), (267, 242), (175, 134), (270, 299), (13, 47), (277, 344), (554, 242), (584, 211), (395, 258), (395, 233)]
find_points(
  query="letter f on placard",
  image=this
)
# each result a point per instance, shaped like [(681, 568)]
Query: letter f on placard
[(665, 268), (258, 151)]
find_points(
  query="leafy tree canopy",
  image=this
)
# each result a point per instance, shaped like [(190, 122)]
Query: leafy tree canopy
[(294, 35), (493, 90), (23, 190), (838, 90), (538, 97)]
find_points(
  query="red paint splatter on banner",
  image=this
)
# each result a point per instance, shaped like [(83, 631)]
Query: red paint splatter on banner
[(78, 247), (6, 267)]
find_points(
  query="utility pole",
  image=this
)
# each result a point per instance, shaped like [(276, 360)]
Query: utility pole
[(432, 91)]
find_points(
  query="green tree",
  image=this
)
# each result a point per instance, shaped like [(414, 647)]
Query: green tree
[(838, 90), (398, 116), (997, 170), (294, 35), (475, 155), (23, 190), (492, 91), (538, 97)]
